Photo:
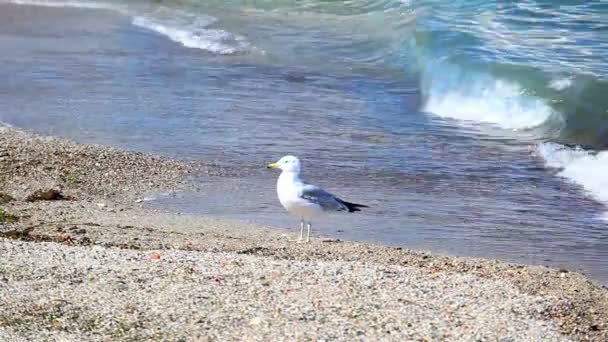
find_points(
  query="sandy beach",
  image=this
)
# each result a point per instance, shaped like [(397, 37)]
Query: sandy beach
[(87, 261)]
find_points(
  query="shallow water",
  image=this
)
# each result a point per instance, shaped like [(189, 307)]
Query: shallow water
[(434, 175)]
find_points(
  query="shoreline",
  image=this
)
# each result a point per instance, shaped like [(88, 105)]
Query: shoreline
[(99, 228)]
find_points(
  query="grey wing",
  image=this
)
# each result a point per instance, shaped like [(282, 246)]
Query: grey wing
[(323, 198)]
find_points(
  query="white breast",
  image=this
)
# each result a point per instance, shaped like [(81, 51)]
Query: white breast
[(288, 190)]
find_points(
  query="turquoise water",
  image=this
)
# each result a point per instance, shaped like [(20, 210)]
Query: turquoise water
[(471, 128)]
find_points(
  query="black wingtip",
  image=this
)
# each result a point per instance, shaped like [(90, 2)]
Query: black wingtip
[(352, 207)]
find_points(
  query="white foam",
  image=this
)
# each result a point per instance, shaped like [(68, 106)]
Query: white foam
[(590, 170), (73, 4), (492, 101), (560, 83), (189, 30), (197, 36)]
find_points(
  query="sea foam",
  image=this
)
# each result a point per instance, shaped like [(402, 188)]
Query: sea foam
[(73, 4), (197, 35), (560, 83), (585, 168), (483, 99), (192, 32)]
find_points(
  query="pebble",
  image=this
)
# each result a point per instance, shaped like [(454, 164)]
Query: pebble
[(139, 298), (99, 170), (321, 291)]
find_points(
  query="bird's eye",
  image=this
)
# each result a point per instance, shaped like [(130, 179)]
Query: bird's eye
[(285, 161)]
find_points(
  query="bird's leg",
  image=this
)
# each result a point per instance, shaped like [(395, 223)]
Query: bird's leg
[(309, 227), (300, 239)]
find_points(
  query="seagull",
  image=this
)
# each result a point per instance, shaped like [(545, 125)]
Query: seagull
[(305, 200)]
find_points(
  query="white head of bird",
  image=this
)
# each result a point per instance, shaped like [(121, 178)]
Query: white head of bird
[(287, 164)]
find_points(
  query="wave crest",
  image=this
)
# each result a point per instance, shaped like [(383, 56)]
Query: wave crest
[(478, 97), (585, 168), (71, 4), (197, 36)]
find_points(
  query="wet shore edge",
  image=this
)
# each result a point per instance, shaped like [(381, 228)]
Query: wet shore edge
[(82, 258)]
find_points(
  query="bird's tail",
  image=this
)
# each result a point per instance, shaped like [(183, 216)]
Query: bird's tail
[(352, 207)]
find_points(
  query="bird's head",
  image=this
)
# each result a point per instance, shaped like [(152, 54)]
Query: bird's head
[(287, 164)]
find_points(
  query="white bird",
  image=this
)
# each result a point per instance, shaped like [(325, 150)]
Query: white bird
[(305, 200)]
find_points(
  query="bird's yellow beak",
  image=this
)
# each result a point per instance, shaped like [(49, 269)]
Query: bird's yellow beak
[(272, 166)]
